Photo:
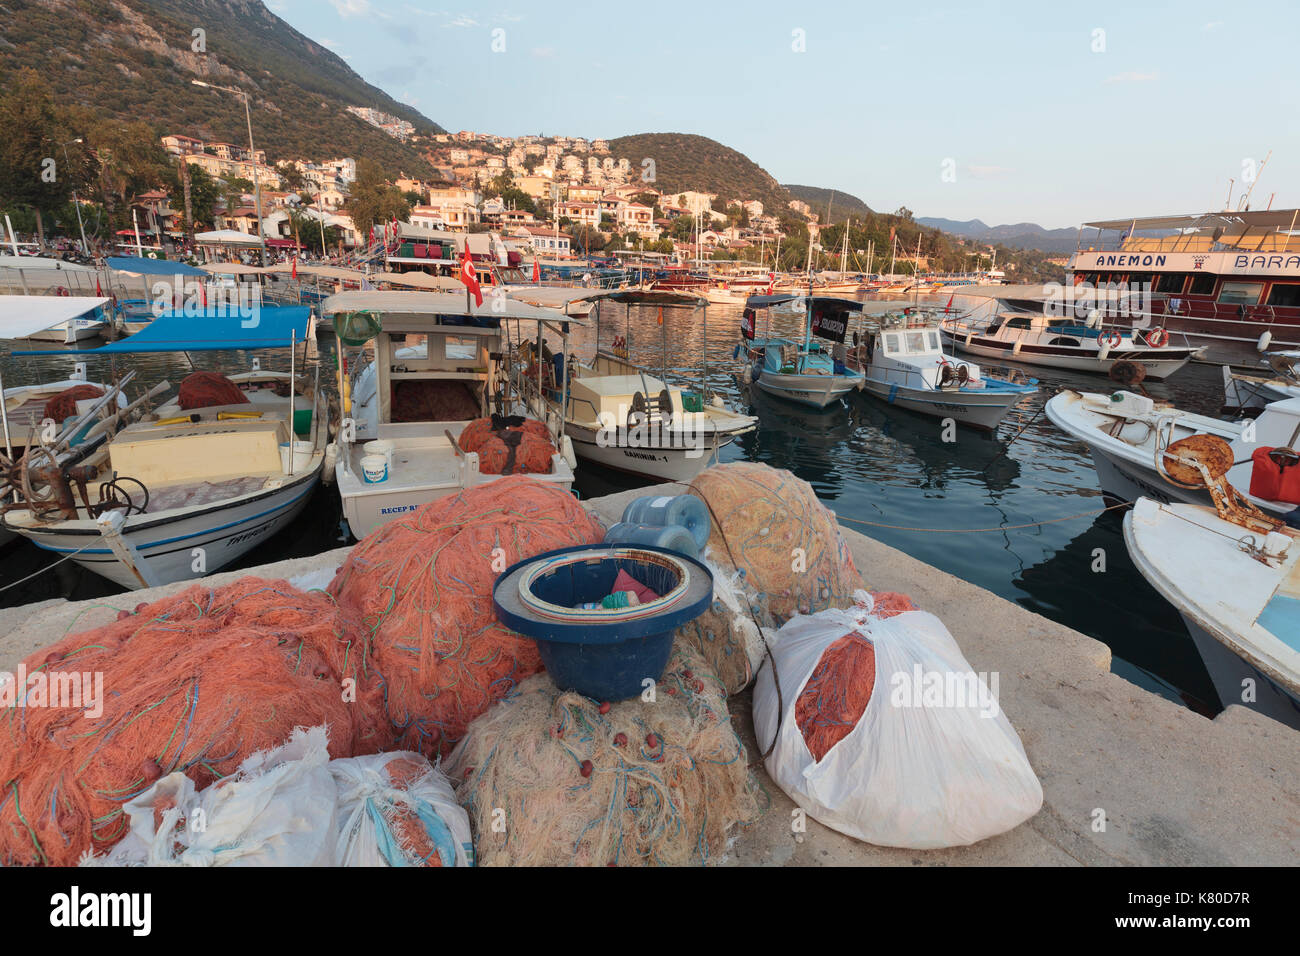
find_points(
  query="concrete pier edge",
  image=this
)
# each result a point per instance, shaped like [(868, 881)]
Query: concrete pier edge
[(1128, 777)]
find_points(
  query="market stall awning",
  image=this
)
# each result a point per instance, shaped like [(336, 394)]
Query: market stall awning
[(22, 316), (214, 329)]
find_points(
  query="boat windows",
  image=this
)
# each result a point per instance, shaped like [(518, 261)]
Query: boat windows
[(1285, 294), (1240, 293), (1202, 284), (916, 341), (891, 342), (458, 348), (934, 340), (1138, 280), (1171, 283), (1018, 323)]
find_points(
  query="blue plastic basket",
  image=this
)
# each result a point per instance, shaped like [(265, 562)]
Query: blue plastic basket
[(604, 655)]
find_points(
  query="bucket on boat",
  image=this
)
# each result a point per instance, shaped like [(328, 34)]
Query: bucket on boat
[(607, 653), (374, 468), (302, 421), (301, 456), (687, 511), (672, 537)]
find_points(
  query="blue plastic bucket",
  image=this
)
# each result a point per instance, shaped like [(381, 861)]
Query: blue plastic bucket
[(672, 537), (604, 655)]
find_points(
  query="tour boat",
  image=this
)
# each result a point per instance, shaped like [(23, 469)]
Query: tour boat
[(1057, 342), (185, 492), (1238, 593), (436, 366)]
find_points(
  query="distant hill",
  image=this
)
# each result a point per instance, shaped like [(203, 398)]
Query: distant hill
[(133, 59), (1021, 235), (683, 161), (842, 205)]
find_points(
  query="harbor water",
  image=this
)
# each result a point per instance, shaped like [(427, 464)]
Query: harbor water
[(1018, 512)]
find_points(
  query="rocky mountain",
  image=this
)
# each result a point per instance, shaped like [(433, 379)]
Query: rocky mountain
[(842, 205), (135, 59), (1021, 235)]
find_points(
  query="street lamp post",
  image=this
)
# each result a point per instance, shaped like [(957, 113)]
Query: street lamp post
[(85, 248), (252, 153)]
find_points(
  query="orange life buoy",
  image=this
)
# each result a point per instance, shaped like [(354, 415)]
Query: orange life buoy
[(1110, 338), (1158, 338), (62, 290)]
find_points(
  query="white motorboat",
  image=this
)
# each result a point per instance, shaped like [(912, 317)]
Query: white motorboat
[(1237, 592), (67, 319), (1054, 342), (1129, 437), (905, 365), (801, 371), (436, 367), (185, 492), (1244, 392)]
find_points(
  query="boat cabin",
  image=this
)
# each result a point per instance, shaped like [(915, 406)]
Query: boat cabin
[(907, 350)]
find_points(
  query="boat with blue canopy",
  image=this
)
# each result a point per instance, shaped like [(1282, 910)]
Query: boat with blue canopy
[(802, 370), (193, 485)]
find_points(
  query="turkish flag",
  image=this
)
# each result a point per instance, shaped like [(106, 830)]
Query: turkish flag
[(537, 271), (294, 273), (469, 276), (771, 282), (948, 307), (98, 293)]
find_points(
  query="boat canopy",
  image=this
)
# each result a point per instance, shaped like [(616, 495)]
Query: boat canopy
[(41, 262), (1227, 220), (448, 305), (214, 329), (233, 269), (823, 301), (650, 297), (144, 266), (22, 316)]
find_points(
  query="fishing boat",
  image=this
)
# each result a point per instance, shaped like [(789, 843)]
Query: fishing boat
[(905, 365), (635, 419), (1238, 592), (1245, 393), (435, 365), (186, 491), (162, 284), (77, 317), (801, 371), (1130, 435), (1062, 342)]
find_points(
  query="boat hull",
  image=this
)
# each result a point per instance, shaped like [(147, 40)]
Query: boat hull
[(977, 410), (225, 531), (1077, 360), (815, 391), (666, 463), (1230, 673)]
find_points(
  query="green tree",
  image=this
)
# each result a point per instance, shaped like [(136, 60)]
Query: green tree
[(131, 161), (373, 199), (291, 176)]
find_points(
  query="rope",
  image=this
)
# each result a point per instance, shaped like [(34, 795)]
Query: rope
[(1005, 527), (46, 568)]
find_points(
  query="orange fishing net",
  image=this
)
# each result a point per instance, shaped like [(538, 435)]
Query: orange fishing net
[(422, 585), (890, 604), (836, 694), (63, 406), (509, 446), (403, 821), (196, 683), (206, 389)]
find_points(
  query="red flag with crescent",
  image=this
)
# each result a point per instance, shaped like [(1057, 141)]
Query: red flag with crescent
[(469, 275)]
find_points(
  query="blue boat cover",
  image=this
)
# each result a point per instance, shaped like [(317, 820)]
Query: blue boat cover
[(154, 267), (215, 329)]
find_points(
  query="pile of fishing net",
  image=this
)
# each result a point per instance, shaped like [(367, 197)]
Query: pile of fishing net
[(422, 587), (195, 684), (430, 400), (208, 389), (509, 446), (63, 406), (775, 551), (552, 778), (882, 730), (293, 806)]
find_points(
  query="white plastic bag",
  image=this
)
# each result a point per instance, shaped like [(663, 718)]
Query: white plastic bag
[(394, 808), (278, 809), (932, 762)]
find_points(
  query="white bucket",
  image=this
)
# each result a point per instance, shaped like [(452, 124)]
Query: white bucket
[(374, 469), (380, 446), (301, 456)]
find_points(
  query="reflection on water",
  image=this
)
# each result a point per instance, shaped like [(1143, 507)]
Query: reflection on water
[(869, 462)]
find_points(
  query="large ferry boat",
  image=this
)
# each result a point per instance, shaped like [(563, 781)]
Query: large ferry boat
[(1220, 278)]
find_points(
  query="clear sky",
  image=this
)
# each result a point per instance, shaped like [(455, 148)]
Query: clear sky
[(1007, 112)]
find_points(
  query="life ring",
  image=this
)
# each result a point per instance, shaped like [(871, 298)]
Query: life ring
[(62, 291), (1110, 338), (1158, 338)]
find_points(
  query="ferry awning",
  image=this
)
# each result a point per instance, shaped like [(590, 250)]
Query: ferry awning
[(22, 316), (140, 265), (493, 309), (214, 329), (1226, 220)]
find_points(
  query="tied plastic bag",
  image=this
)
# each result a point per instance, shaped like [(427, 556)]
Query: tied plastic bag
[(931, 762), (293, 806), (396, 809)]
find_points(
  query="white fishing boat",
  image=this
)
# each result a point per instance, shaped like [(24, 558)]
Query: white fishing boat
[(628, 417), (185, 492), (1238, 593), (905, 365), (1130, 435), (1245, 392), (1056, 342), (801, 371), (435, 367), (67, 319)]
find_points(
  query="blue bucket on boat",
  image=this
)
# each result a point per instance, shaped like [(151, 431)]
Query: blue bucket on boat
[(604, 654)]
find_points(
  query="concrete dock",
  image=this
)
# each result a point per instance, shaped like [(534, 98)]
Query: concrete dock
[(1128, 777)]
